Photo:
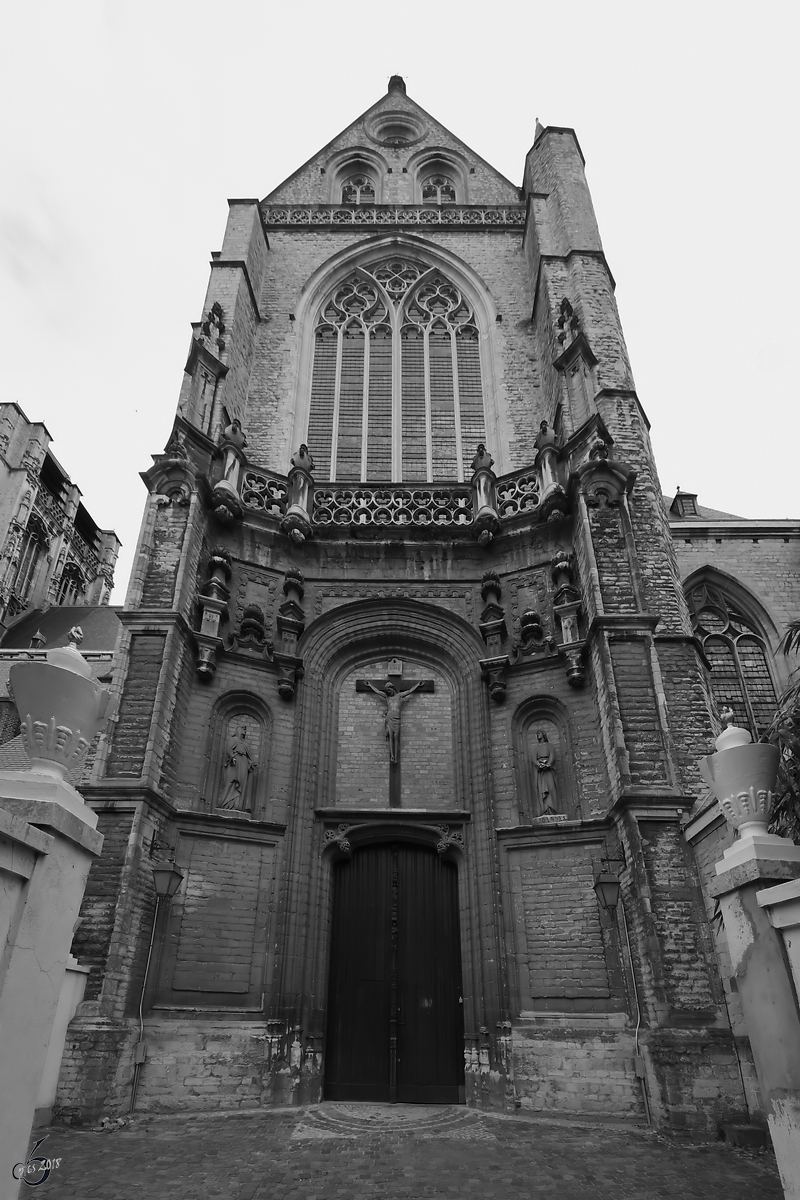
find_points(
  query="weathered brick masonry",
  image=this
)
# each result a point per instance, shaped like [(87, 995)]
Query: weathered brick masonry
[(243, 749)]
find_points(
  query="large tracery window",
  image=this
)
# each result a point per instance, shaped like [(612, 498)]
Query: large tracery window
[(34, 545), (740, 675), (438, 189), (358, 189), (396, 391)]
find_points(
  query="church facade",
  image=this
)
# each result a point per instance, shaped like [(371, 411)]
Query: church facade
[(406, 665)]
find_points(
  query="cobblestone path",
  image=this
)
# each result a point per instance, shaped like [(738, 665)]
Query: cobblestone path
[(350, 1151)]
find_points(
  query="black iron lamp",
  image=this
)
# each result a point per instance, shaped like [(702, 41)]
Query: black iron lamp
[(606, 887), (167, 879)]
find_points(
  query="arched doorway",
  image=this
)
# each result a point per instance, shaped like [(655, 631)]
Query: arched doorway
[(395, 1010)]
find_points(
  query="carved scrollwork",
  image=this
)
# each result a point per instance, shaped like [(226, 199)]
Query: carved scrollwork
[(338, 837), (439, 507), (449, 838), (518, 495), (394, 214), (263, 493)]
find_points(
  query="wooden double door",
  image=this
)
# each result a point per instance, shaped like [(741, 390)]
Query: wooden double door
[(395, 1012)]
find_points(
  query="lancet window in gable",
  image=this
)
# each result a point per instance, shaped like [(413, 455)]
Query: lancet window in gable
[(396, 391), (358, 189), (438, 189), (736, 649)]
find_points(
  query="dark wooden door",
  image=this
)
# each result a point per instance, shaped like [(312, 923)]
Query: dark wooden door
[(395, 1027)]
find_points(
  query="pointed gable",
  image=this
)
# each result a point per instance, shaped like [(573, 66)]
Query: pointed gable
[(401, 154)]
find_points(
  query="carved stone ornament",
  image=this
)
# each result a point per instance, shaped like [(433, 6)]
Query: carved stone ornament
[(338, 837), (493, 671), (291, 623), (240, 762), (484, 501), (212, 329), (297, 523), (567, 324), (212, 601), (226, 499), (251, 633), (172, 475), (448, 839)]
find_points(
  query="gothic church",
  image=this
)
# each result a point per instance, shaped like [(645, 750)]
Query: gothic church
[(406, 666)]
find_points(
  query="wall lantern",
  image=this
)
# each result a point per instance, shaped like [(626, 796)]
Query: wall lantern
[(606, 888), (167, 879)]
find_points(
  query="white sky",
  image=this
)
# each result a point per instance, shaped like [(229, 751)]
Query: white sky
[(127, 125)]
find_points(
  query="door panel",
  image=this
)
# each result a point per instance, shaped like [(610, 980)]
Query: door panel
[(395, 1029)]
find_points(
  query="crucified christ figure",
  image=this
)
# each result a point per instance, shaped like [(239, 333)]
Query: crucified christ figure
[(391, 720)]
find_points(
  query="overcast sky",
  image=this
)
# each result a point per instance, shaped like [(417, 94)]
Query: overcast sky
[(126, 126)]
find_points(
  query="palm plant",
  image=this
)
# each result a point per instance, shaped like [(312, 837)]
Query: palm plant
[(784, 732)]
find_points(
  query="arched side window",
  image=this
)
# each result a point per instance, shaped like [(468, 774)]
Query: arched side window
[(438, 189), (740, 674), (358, 189), (396, 389), (34, 545), (72, 587)]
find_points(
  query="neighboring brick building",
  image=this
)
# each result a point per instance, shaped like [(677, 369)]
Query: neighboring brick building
[(417, 921)]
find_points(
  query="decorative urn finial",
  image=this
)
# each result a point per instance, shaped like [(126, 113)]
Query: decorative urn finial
[(61, 707)]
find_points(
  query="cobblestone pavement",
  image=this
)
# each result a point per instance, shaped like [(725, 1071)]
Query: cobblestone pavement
[(402, 1152)]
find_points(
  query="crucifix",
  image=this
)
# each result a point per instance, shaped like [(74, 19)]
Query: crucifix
[(395, 691)]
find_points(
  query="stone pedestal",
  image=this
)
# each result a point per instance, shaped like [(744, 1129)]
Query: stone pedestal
[(47, 842), (768, 997)]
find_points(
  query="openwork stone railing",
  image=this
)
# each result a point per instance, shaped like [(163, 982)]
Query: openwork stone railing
[(264, 493), (393, 214), (394, 505), (518, 494)]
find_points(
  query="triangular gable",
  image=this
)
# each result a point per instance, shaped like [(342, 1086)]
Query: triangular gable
[(308, 185)]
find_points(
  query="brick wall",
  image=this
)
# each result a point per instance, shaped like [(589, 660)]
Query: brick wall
[(165, 556), (132, 730), (92, 938), (427, 768), (638, 712), (611, 555)]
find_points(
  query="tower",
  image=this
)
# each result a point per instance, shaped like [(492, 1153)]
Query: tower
[(406, 665)]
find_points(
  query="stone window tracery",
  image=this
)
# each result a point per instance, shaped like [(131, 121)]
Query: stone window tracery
[(34, 544), (358, 189), (736, 649), (72, 586), (438, 189), (396, 390)]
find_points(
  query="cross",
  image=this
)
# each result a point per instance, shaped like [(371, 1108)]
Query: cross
[(399, 689)]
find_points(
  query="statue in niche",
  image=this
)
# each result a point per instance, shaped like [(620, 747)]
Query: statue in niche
[(545, 778), (237, 768), (393, 715)]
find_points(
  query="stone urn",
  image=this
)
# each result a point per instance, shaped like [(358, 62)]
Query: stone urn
[(61, 707), (742, 776)]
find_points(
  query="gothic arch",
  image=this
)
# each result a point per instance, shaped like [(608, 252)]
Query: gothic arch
[(354, 160), (435, 160), (231, 709), (331, 274), (551, 717), (738, 638), (331, 646)]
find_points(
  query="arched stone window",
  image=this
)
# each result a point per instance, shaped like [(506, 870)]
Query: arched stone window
[(438, 189), (358, 189), (236, 778), (736, 648), (72, 587), (396, 388), (34, 546)]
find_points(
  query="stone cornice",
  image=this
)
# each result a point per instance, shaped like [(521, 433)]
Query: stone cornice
[(718, 527)]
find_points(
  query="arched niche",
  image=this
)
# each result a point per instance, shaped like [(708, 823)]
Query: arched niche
[(356, 161), (546, 783), (238, 757)]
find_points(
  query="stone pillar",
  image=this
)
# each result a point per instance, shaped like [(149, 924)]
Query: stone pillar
[(48, 840), (767, 994)]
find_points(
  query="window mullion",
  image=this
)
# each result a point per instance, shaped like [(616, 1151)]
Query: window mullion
[(396, 318), (428, 421), (336, 390), (456, 409), (365, 407)]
